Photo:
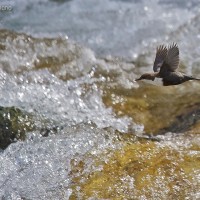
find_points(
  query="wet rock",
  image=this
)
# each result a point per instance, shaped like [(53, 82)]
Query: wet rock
[(13, 125), (158, 108), (46, 131), (147, 169), (184, 122)]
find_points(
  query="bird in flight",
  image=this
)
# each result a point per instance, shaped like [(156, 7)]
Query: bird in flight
[(165, 66)]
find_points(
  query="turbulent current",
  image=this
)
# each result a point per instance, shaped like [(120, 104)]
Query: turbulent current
[(73, 122)]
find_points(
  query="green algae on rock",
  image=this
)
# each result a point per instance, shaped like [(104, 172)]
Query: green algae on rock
[(14, 124)]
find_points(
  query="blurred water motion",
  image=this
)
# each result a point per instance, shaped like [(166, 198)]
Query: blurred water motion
[(70, 67)]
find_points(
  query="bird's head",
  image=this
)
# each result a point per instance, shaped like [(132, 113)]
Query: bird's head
[(147, 76)]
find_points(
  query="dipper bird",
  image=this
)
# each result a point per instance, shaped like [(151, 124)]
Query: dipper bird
[(165, 65)]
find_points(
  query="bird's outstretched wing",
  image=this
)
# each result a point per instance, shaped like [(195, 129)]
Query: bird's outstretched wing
[(171, 62), (172, 58), (161, 53)]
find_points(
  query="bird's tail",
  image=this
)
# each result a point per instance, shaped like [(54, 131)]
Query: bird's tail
[(191, 78), (198, 79)]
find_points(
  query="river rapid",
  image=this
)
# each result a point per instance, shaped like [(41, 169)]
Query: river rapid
[(83, 128)]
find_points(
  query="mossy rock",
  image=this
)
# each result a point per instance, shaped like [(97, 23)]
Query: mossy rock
[(13, 125)]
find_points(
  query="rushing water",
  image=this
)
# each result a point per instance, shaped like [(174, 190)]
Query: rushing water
[(58, 59)]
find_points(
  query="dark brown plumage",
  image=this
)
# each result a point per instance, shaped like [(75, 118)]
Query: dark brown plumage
[(165, 65)]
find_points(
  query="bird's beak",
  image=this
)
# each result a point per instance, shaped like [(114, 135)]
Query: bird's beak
[(137, 79)]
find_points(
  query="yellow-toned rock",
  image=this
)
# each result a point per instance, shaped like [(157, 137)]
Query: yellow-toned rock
[(156, 107), (143, 170)]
